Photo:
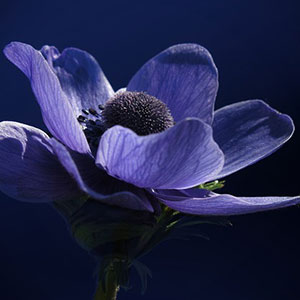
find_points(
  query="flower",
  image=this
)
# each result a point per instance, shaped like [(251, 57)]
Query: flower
[(153, 141)]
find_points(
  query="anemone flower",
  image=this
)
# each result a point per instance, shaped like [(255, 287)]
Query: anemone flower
[(160, 136), (157, 141)]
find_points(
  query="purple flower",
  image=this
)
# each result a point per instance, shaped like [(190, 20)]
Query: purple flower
[(156, 140)]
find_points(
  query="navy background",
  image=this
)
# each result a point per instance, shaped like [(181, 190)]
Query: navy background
[(256, 47)]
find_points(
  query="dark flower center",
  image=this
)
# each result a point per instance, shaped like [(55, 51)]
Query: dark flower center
[(142, 113)]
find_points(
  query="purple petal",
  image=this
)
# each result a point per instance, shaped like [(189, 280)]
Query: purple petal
[(97, 184), (80, 76), (56, 110), (223, 205), (180, 157), (184, 77), (28, 169), (249, 131)]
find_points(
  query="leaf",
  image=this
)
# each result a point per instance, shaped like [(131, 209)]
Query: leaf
[(186, 235), (197, 220), (213, 185), (143, 272)]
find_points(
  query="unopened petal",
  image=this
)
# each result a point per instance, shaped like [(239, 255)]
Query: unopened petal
[(97, 184)]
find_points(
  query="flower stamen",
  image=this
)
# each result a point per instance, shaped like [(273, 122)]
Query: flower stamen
[(92, 126), (138, 111), (86, 112), (93, 112), (81, 118)]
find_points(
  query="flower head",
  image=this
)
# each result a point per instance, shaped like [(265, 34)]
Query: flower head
[(151, 142)]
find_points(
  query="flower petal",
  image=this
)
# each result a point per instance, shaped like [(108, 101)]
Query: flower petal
[(184, 77), (28, 169), (97, 184), (180, 157), (224, 205), (56, 110), (80, 76), (249, 131)]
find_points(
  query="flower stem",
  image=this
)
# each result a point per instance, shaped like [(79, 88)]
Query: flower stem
[(107, 290)]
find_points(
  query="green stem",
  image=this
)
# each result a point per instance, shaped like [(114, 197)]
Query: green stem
[(163, 220), (111, 287)]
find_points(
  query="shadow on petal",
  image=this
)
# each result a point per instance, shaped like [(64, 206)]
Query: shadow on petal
[(249, 131), (97, 184)]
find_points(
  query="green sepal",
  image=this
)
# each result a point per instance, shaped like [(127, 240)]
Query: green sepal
[(119, 236), (92, 235), (70, 207), (157, 233), (213, 185), (98, 226)]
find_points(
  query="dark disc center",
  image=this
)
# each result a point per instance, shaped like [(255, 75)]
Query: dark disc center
[(138, 111)]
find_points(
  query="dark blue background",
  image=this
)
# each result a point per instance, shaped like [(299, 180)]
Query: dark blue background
[(256, 47)]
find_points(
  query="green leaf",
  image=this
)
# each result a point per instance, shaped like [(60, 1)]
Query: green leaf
[(144, 272), (213, 185)]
